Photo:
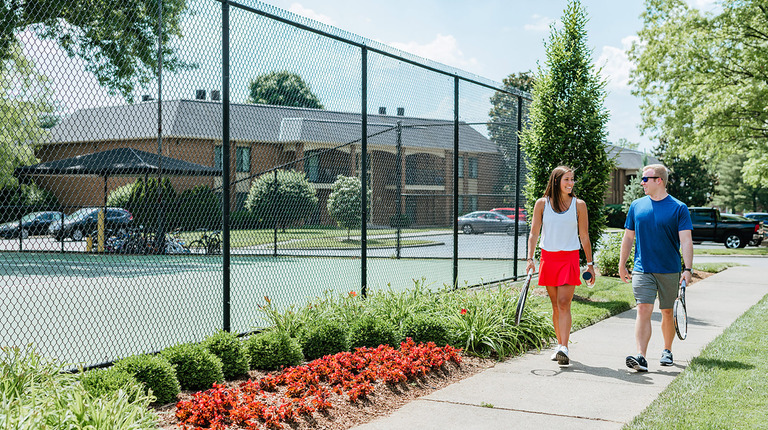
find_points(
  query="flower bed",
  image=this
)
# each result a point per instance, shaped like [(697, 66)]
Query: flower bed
[(281, 398)]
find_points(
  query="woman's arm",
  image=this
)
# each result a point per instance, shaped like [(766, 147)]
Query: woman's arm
[(581, 208), (533, 235)]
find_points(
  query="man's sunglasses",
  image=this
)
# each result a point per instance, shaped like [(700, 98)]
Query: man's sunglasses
[(646, 178)]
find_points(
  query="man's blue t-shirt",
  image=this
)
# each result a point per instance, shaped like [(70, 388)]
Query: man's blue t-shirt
[(656, 225)]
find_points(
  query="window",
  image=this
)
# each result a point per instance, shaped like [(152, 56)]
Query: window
[(467, 204), (242, 158), (217, 163), (472, 168), (312, 167), (461, 168)]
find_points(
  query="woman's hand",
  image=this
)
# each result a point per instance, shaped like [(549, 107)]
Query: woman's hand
[(530, 266), (591, 271)]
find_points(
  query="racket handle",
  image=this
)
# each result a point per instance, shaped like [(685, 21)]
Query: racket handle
[(587, 276)]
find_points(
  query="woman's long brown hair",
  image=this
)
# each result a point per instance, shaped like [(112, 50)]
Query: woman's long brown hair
[(553, 188)]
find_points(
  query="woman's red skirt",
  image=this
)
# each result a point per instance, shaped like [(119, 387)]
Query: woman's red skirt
[(559, 268)]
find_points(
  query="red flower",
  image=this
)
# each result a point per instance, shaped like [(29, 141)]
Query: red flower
[(463, 311)]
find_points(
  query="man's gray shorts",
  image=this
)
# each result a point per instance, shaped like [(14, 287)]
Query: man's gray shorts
[(646, 286)]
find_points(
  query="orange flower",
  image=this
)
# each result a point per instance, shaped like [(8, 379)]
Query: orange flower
[(353, 293)]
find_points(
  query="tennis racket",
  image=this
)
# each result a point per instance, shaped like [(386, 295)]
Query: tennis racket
[(680, 313), (523, 296)]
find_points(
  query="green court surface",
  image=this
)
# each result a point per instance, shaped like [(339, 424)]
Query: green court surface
[(86, 308)]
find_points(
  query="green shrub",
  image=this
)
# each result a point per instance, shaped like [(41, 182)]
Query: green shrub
[(103, 383), (271, 349), (323, 337), (371, 332), (426, 328), (607, 260), (198, 207), (37, 394), (231, 352), (196, 367), (155, 372)]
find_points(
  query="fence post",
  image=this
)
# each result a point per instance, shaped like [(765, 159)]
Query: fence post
[(364, 175), (399, 177), (225, 163), (517, 181), (455, 182)]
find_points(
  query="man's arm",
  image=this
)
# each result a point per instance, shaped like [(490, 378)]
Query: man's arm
[(686, 244), (626, 245)]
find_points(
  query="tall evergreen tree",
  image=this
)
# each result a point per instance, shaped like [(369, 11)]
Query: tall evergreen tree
[(567, 119)]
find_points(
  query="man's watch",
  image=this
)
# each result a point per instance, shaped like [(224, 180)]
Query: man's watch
[(687, 269)]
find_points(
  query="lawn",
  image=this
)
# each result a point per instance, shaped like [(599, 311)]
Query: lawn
[(315, 237), (759, 250), (724, 387)]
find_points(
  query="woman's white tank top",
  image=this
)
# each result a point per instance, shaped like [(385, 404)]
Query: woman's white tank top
[(560, 231)]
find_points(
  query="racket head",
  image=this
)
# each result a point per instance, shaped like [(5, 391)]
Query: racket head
[(522, 298), (680, 317)]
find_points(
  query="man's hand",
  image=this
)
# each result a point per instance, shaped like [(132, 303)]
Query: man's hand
[(624, 274)]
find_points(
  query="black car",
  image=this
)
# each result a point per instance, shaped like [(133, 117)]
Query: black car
[(30, 224), (80, 223)]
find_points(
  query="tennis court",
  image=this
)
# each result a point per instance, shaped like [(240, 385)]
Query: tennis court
[(85, 308)]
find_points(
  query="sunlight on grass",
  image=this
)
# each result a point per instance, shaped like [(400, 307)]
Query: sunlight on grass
[(761, 250), (714, 267), (730, 371)]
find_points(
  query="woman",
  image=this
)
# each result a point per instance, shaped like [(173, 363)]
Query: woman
[(562, 220)]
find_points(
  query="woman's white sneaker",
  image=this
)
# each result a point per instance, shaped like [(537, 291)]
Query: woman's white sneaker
[(553, 357), (562, 356)]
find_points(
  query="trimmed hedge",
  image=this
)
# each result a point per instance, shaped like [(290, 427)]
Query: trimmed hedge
[(156, 373)]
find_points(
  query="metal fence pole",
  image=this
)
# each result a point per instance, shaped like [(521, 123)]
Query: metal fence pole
[(364, 175), (455, 278), (225, 163), (517, 179), (399, 177)]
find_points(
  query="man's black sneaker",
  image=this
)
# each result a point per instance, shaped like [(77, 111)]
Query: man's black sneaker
[(637, 362), (666, 358)]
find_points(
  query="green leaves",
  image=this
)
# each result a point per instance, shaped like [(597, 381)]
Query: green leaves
[(703, 80), (345, 202), (567, 120), (281, 198), (282, 89)]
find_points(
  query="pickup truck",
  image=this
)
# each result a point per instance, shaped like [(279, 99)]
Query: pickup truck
[(708, 225)]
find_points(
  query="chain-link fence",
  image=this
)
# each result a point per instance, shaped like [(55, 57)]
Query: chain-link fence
[(345, 166)]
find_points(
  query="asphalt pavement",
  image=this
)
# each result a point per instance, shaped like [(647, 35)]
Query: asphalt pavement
[(597, 391)]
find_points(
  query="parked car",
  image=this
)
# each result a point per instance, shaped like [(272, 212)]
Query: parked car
[(511, 213), (760, 216), (485, 221), (708, 224), (30, 224), (79, 223)]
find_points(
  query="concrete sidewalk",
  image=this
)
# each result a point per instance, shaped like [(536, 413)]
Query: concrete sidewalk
[(597, 391)]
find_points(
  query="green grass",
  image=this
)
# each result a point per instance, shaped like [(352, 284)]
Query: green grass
[(714, 267), (303, 237), (760, 250), (723, 388)]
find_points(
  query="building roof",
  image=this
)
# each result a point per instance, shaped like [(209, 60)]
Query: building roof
[(199, 119), (629, 159)]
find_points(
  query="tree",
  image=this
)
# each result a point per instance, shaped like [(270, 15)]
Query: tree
[(282, 89), (502, 128), (23, 102), (690, 179), (632, 191), (732, 192), (567, 120), (142, 199), (703, 80), (116, 39), (281, 199), (345, 202)]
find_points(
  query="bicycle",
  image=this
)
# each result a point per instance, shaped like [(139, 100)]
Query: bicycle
[(209, 242)]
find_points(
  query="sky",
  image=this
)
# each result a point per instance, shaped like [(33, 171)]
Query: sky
[(494, 38)]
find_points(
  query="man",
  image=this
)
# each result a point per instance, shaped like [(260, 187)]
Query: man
[(660, 224)]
